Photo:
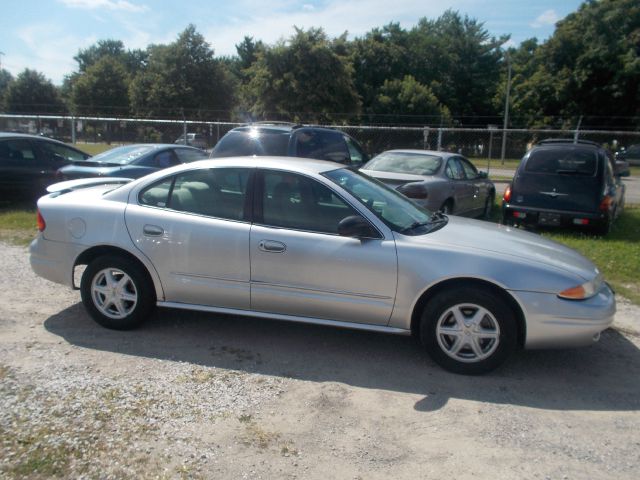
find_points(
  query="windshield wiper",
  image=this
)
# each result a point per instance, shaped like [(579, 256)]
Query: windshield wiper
[(436, 219), (414, 225)]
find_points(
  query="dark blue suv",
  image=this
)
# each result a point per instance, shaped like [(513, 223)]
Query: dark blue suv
[(289, 140)]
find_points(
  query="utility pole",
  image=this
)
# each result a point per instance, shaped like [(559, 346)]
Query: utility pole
[(506, 109)]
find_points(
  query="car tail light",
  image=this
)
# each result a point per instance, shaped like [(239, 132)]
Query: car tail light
[(414, 190), (519, 214), (581, 221), (41, 223), (507, 194), (606, 202)]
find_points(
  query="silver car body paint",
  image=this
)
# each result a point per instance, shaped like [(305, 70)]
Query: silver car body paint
[(319, 278)]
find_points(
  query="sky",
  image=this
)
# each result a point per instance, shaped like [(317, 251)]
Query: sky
[(46, 34)]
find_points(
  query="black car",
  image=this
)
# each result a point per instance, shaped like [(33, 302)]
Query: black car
[(28, 163), (565, 183), (132, 161), (289, 140)]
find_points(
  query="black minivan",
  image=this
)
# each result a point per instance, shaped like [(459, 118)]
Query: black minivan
[(566, 183)]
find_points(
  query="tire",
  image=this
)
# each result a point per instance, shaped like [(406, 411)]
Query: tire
[(450, 324), (447, 207), (117, 292)]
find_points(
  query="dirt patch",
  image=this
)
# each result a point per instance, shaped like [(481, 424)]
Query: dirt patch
[(210, 396)]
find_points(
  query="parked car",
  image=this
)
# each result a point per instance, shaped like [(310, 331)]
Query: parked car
[(316, 242), (564, 183), (289, 140), (28, 163), (132, 161), (439, 181), (630, 155), (193, 140)]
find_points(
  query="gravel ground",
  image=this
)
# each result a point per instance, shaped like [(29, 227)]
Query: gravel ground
[(209, 396)]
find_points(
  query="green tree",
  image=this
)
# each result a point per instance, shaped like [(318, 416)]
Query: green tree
[(32, 92), (182, 77), (132, 60), (304, 79), (457, 58), (408, 101), (102, 89), (5, 80)]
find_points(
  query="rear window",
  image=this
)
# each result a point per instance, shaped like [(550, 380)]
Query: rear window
[(569, 161), (405, 162), (252, 142)]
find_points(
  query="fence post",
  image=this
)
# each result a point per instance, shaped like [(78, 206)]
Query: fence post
[(184, 129), (73, 130), (425, 138), (439, 139)]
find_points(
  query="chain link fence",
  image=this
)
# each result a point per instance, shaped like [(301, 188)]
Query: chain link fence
[(472, 142)]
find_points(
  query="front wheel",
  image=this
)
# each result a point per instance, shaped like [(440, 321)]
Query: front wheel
[(468, 330), (116, 292)]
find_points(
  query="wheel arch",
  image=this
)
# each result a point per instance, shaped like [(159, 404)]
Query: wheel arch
[(434, 290), (94, 252)]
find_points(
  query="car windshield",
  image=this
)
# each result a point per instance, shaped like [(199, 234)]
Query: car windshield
[(565, 160), (405, 162), (394, 209), (123, 155)]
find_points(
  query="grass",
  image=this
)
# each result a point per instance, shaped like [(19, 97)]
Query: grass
[(17, 222), (94, 148)]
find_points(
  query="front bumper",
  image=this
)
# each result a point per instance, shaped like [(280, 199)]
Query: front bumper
[(553, 322)]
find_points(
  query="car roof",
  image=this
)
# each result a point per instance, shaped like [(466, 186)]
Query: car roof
[(435, 153), (279, 127), (28, 136)]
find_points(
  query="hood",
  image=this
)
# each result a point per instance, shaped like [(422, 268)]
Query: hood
[(500, 240)]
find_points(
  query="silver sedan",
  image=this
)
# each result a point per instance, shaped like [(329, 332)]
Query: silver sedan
[(310, 241), (438, 181)]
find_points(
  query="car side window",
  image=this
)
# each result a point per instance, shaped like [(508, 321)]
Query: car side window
[(454, 169), (215, 192), (321, 144), (165, 159), (301, 203), (469, 170), (17, 150), (187, 155), (54, 151), (358, 157), (157, 195)]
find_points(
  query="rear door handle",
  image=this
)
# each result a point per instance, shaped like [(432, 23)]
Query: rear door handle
[(272, 246), (152, 230)]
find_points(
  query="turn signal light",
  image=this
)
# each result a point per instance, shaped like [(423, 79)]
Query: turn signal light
[(41, 223), (507, 194), (574, 293)]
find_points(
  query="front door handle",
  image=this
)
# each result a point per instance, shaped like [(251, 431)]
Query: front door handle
[(152, 230), (272, 246)]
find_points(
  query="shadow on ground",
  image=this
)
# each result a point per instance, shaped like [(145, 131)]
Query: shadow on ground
[(605, 376)]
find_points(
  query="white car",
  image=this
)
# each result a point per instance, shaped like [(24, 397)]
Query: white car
[(312, 241)]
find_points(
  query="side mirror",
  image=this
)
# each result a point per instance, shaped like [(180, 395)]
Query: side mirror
[(482, 174), (622, 168), (356, 226)]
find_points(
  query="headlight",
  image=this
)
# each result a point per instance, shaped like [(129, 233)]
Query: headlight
[(584, 291)]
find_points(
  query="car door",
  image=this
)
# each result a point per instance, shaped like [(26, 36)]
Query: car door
[(301, 266), (477, 186), (462, 191), (21, 168), (195, 230)]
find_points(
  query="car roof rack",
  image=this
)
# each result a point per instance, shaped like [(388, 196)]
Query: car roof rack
[(568, 140)]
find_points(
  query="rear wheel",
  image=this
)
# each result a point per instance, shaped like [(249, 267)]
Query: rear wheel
[(468, 330), (116, 292)]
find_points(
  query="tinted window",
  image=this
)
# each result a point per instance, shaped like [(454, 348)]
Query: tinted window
[(321, 144), (17, 150), (454, 170), (216, 192), (358, 157), (252, 142), (164, 159), (565, 160), (301, 203), (187, 155), (55, 151), (469, 170), (405, 162)]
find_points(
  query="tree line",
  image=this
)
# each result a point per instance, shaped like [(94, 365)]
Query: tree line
[(447, 71)]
